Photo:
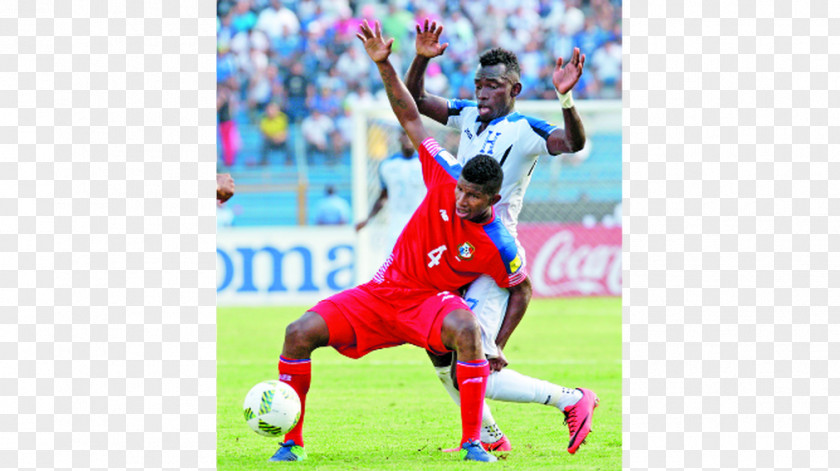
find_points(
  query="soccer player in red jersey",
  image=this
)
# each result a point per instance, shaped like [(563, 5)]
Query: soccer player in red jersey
[(452, 238)]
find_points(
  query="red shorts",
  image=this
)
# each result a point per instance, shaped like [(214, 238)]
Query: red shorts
[(374, 316)]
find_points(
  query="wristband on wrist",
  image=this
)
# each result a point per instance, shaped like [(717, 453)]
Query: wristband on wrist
[(566, 100)]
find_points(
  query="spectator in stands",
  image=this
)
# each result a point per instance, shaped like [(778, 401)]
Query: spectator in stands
[(590, 38), (533, 62), (225, 103), (308, 11), (261, 90), (275, 131), (345, 127), (243, 18), (560, 43), (332, 210), (461, 36), (359, 96), (333, 81), (607, 65), (307, 39), (397, 24), (224, 31), (225, 64), (318, 33), (316, 129), (278, 21), (462, 78), (436, 81), (295, 85), (288, 44), (341, 135), (327, 101), (339, 148), (354, 67)]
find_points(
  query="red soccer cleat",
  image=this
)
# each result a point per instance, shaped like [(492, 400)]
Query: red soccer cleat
[(579, 418)]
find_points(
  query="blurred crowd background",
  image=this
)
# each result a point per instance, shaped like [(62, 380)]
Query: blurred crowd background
[(290, 72)]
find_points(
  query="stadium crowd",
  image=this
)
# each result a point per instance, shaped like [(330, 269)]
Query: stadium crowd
[(302, 55)]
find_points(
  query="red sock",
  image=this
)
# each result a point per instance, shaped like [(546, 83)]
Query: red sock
[(472, 382), (298, 374)]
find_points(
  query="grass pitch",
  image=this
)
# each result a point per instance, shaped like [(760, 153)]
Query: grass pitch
[(389, 411)]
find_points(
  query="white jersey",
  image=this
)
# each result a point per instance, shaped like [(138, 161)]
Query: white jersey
[(403, 178), (516, 141)]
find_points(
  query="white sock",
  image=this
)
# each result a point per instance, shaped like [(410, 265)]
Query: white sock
[(490, 431), (510, 386)]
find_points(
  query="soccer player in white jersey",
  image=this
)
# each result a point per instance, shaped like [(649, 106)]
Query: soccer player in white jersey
[(490, 125), (402, 188)]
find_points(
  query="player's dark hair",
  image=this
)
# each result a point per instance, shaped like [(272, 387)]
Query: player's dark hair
[(485, 171), (498, 56)]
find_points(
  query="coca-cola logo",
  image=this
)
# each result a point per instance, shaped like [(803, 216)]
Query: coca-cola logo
[(562, 268)]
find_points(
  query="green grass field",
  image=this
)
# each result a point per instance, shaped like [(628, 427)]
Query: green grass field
[(389, 411)]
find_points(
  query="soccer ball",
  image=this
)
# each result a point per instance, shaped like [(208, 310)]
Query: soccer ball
[(271, 408)]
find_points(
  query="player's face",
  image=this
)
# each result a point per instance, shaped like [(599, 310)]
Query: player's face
[(493, 92), (471, 202)]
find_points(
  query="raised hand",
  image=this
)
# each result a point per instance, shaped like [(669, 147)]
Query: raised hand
[(427, 41), (565, 78), (375, 45)]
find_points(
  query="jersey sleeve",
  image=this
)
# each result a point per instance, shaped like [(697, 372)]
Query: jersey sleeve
[(538, 141), (513, 271), (439, 166), (455, 108)]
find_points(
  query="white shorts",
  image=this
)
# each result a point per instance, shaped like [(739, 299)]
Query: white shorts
[(489, 303)]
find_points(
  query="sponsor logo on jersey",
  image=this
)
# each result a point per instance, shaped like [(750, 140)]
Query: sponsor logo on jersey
[(515, 264), (443, 215), (466, 250), (468, 133)]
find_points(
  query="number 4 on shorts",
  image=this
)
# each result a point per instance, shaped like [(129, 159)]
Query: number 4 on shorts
[(435, 255)]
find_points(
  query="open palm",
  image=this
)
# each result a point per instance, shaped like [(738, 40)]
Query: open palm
[(375, 45), (565, 77), (427, 43)]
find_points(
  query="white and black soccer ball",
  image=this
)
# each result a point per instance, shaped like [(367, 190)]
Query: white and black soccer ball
[(271, 408)]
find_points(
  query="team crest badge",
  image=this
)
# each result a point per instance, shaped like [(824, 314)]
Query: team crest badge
[(515, 264), (466, 250)]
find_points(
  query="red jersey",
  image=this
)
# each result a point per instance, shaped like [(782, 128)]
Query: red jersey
[(439, 250)]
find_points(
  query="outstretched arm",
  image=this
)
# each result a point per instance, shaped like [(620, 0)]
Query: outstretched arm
[(428, 46), (401, 102), (377, 206), (572, 137)]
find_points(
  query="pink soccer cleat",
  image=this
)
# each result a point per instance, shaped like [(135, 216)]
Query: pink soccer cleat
[(502, 444), (579, 418)]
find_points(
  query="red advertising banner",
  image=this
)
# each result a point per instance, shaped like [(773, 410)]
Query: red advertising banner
[(572, 260)]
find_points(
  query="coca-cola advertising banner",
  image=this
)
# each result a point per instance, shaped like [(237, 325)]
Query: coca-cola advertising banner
[(572, 260)]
